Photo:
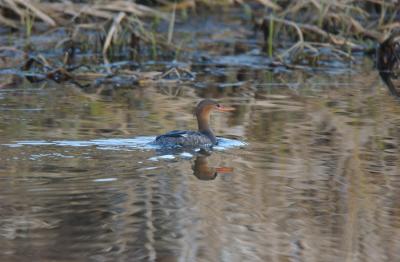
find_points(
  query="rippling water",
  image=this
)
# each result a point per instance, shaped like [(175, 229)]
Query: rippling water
[(307, 170)]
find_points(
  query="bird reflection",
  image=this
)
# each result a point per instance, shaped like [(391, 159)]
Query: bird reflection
[(388, 63), (202, 171)]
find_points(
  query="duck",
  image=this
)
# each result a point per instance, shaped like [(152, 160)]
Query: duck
[(203, 137)]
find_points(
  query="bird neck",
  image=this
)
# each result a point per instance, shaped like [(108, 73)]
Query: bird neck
[(204, 127)]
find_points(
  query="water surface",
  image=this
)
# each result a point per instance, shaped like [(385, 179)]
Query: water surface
[(313, 173)]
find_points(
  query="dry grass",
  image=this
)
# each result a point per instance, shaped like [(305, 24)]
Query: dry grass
[(65, 12), (306, 25), (342, 25), (113, 20)]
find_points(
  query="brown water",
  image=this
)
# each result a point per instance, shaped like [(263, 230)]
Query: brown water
[(318, 178)]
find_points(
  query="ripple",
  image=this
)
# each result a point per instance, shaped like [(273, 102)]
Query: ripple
[(110, 179), (226, 143), (140, 142)]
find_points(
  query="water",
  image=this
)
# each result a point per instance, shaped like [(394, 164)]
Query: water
[(307, 170)]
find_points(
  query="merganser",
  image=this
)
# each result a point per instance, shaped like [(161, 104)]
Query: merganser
[(204, 137)]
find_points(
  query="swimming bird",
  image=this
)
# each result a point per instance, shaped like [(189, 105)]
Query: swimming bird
[(204, 137)]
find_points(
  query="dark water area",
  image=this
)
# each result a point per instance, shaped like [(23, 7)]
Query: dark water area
[(307, 168), (312, 174)]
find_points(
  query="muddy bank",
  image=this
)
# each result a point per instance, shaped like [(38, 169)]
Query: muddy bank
[(128, 43)]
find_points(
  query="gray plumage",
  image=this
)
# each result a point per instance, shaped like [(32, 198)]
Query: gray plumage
[(183, 138)]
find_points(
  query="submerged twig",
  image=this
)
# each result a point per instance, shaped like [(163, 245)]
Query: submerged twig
[(171, 25), (300, 42), (111, 33)]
